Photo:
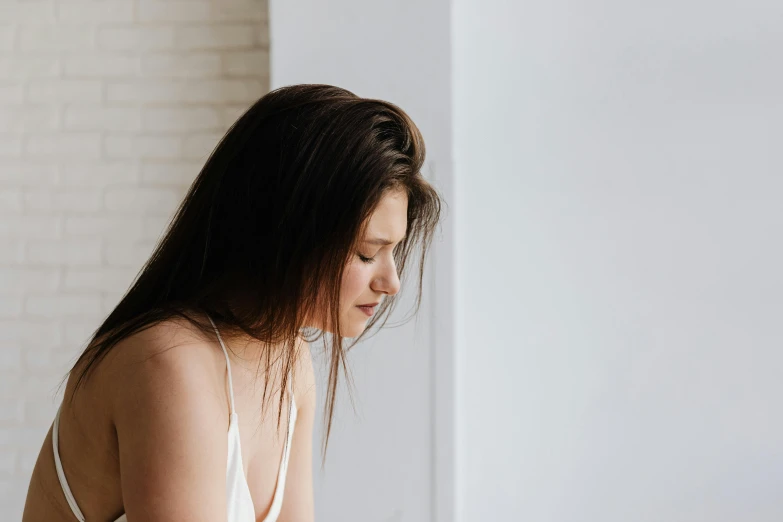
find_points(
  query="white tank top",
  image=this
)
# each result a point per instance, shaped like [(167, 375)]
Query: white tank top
[(239, 502)]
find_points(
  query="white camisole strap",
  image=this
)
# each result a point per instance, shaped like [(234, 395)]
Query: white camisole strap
[(60, 473), (277, 499), (228, 368)]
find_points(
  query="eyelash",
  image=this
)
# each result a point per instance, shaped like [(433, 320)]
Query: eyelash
[(369, 260)]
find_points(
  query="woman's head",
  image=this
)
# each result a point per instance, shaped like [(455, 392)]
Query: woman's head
[(370, 273), (275, 233)]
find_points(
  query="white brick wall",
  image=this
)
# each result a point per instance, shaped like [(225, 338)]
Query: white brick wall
[(108, 109)]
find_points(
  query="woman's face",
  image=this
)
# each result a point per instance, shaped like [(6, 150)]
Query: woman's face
[(371, 273)]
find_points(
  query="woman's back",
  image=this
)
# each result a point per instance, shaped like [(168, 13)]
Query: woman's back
[(164, 382)]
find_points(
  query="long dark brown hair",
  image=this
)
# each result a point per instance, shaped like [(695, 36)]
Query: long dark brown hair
[(269, 223)]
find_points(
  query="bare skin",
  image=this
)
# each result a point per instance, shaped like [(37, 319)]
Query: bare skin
[(169, 381), (158, 404)]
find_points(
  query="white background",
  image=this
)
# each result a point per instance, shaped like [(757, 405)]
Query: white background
[(616, 215), (619, 214), (380, 462)]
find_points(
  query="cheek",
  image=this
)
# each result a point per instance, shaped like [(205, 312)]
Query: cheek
[(355, 280)]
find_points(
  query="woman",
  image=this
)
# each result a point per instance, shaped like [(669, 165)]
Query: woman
[(194, 400)]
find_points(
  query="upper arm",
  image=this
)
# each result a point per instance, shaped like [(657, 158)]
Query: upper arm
[(298, 495), (172, 436)]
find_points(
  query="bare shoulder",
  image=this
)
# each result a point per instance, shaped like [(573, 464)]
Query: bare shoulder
[(169, 409), (167, 340), (169, 365)]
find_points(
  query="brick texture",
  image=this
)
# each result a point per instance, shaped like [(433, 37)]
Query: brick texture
[(108, 109)]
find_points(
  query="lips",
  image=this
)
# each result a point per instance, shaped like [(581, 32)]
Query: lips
[(369, 309)]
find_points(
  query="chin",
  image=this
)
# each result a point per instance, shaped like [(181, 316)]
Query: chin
[(350, 330), (353, 331)]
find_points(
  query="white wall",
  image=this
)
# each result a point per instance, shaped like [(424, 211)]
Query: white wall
[(617, 210), (619, 215), (381, 465), (107, 112)]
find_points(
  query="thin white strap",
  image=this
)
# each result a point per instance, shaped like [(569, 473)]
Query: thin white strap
[(228, 367), (59, 465), (277, 500)]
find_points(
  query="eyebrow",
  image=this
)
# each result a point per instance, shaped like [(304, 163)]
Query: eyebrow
[(380, 241)]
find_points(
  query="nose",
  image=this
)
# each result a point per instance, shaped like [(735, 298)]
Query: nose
[(388, 281)]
